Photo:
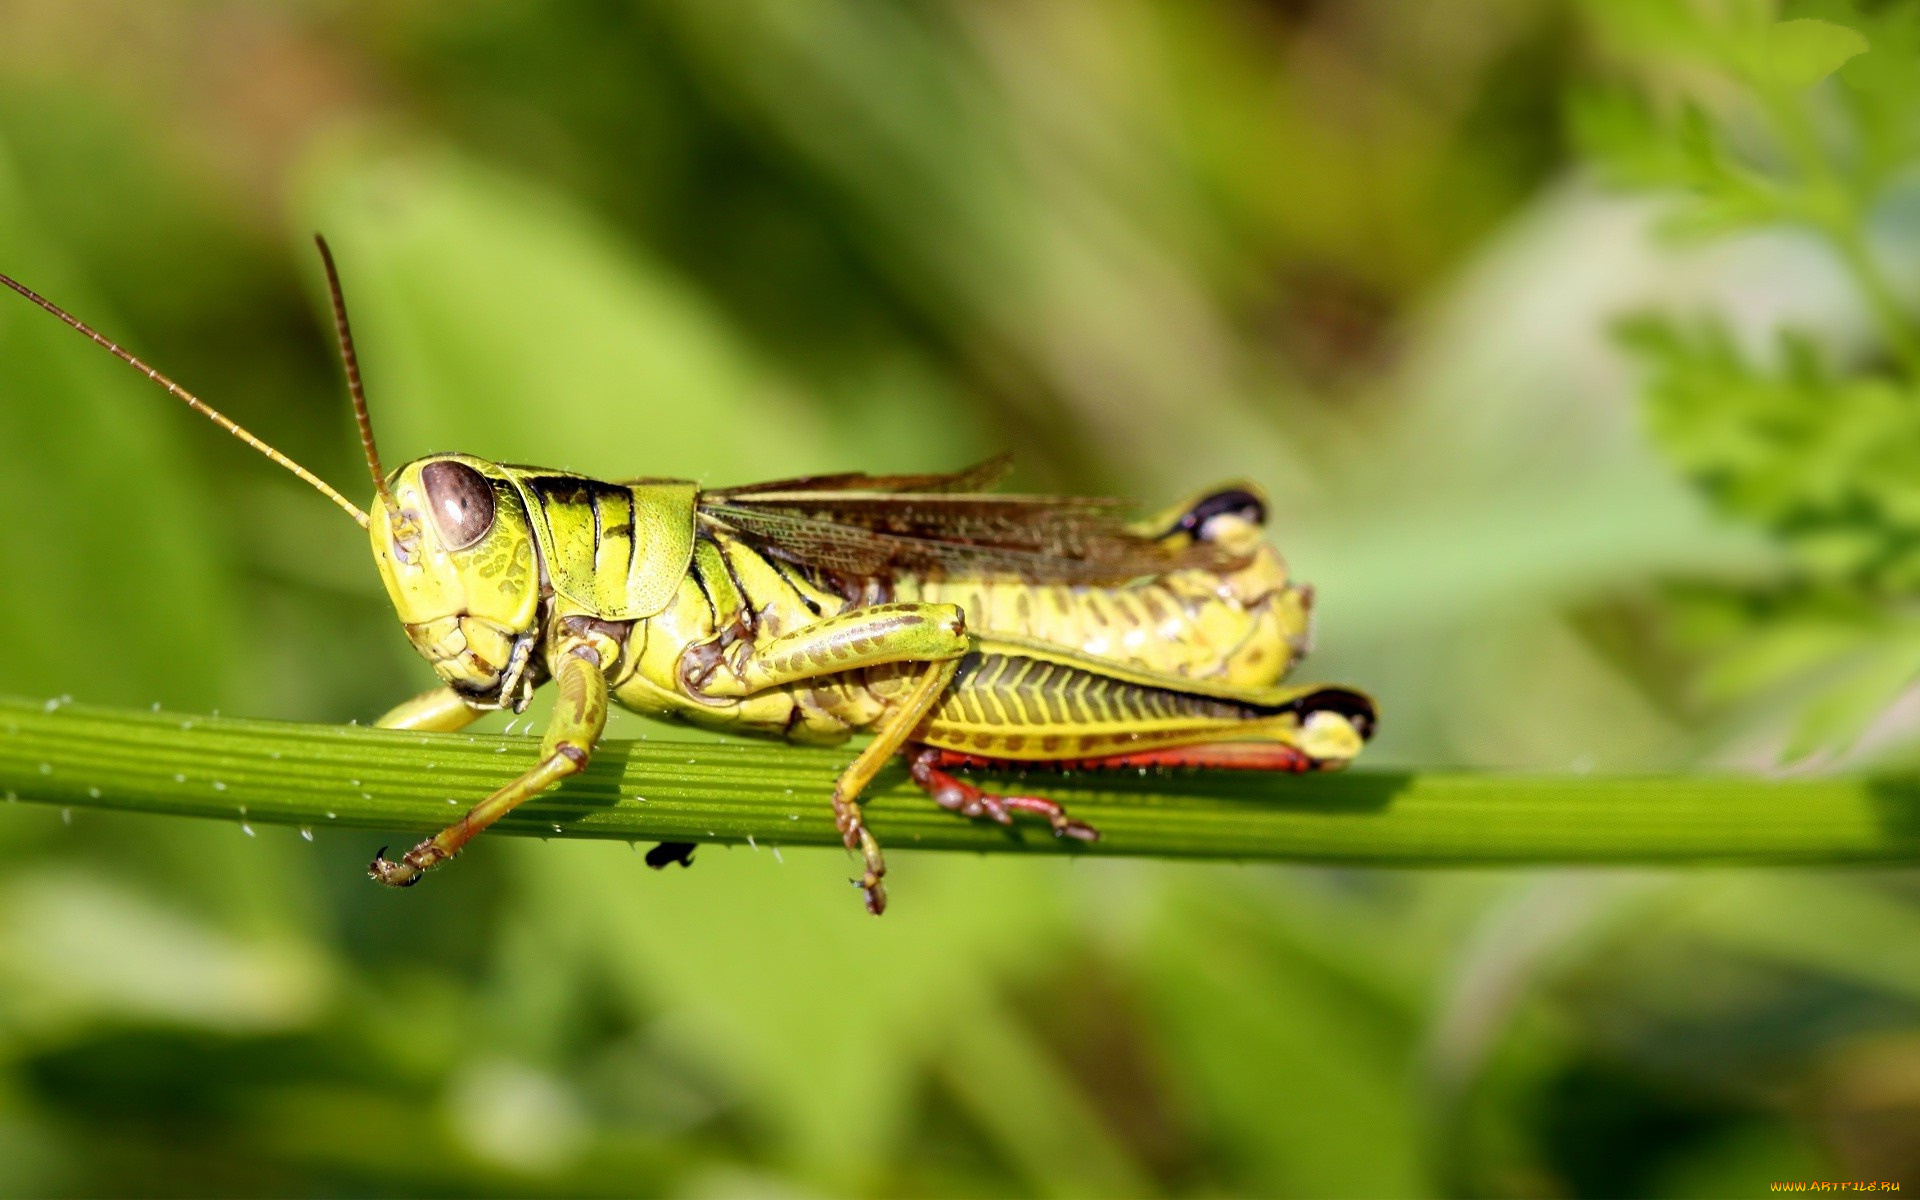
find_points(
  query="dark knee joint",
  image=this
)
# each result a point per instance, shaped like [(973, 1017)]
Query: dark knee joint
[(953, 622)]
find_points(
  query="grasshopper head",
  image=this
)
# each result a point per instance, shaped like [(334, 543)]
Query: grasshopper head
[(456, 550)]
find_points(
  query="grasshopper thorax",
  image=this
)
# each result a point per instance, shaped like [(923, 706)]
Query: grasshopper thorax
[(456, 549)]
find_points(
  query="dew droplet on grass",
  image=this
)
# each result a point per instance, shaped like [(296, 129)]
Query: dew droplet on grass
[(66, 816), (218, 786), (179, 777), (246, 829), (333, 816), (93, 793), (46, 768), (306, 834)]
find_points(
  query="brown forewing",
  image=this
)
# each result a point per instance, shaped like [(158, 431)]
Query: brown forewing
[(864, 533), (980, 477)]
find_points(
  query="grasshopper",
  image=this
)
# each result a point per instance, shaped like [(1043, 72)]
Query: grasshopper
[(959, 627)]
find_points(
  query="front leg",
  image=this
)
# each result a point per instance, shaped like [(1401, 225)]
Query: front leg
[(579, 716), (441, 710)]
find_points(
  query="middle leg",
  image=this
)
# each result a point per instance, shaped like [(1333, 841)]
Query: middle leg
[(891, 735)]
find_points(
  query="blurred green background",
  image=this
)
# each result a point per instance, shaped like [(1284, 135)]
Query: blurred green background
[(1375, 255)]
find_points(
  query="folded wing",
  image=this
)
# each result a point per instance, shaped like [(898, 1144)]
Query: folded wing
[(883, 525)]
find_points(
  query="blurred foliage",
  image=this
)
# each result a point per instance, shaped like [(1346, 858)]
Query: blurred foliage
[(1350, 250), (1813, 125)]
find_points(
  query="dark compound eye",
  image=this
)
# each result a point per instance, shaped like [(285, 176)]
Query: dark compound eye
[(461, 501)]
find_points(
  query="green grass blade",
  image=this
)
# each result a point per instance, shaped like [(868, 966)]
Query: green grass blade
[(321, 775)]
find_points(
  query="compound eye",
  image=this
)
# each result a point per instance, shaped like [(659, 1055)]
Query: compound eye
[(461, 501)]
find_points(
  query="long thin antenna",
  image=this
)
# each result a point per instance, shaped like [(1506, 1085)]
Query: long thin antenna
[(191, 401), (345, 336)]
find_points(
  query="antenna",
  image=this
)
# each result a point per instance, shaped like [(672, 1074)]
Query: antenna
[(191, 401), (352, 363)]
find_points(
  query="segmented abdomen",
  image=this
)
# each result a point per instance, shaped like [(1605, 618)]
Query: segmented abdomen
[(1246, 627), (1008, 705)]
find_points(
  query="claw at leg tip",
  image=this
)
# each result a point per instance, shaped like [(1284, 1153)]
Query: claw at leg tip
[(873, 892), (394, 874)]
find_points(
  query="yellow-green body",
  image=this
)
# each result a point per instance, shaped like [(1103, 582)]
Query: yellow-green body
[(1054, 671), (636, 593), (1051, 671)]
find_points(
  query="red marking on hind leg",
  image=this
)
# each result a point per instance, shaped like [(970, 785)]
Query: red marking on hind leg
[(1219, 756), (959, 796)]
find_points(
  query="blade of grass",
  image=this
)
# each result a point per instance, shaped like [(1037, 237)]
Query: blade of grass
[(318, 775)]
